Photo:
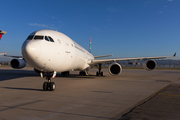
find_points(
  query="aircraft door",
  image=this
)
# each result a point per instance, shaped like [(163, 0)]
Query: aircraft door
[(67, 47)]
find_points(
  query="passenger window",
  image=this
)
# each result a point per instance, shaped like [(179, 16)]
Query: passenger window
[(50, 39), (38, 37), (46, 38), (30, 37)]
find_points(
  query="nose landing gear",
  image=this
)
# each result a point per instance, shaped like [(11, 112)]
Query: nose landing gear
[(49, 86)]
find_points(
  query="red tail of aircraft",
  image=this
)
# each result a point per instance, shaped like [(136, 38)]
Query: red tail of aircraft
[(2, 33)]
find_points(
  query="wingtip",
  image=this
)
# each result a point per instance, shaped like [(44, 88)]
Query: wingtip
[(174, 54), (4, 53)]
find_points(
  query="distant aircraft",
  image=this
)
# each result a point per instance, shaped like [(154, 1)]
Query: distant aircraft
[(2, 33), (51, 52)]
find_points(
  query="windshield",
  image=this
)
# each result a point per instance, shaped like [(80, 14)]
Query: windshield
[(30, 37), (38, 37), (48, 38)]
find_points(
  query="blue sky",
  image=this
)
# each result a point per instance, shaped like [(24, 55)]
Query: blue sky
[(124, 28)]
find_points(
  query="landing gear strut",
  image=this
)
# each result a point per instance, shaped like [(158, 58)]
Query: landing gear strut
[(49, 86), (99, 73)]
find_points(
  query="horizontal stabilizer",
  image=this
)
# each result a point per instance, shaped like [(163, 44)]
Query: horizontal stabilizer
[(2, 32)]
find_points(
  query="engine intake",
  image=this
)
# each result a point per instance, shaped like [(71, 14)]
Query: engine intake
[(18, 63), (149, 64), (115, 69)]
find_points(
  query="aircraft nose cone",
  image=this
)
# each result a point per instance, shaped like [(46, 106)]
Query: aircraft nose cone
[(31, 49)]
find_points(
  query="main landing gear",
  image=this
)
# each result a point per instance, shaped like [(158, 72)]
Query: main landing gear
[(83, 73), (65, 73), (99, 73), (49, 86)]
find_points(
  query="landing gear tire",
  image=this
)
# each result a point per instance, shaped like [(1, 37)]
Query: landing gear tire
[(83, 73), (65, 73), (45, 86), (52, 86), (99, 74), (49, 86)]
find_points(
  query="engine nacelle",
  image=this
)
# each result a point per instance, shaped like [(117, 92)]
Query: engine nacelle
[(18, 63), (149, 64), (115, 69)]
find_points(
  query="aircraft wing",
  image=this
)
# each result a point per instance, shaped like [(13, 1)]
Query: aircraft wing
[(102, 56), (12, 56), (101, 61), (1, 53)]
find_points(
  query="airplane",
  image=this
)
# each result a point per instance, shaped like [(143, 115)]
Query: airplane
[(51, 52), (2, 33)]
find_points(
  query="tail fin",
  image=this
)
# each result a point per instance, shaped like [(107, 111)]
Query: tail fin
[(90, 44), (2, 33), (4, 53), (1, 36)]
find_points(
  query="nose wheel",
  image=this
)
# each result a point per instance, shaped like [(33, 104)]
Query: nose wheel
[(49, 86)]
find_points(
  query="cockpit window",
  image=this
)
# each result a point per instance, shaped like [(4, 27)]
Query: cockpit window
[(50, 39), (38, 37), (30, 37), (46, 38)]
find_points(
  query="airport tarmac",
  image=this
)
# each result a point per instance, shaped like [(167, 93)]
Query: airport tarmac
[(78, 97), (164, 105)]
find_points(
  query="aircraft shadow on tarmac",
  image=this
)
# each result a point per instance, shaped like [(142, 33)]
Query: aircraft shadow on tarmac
[(77, 76), (13, 74), (16, 88)]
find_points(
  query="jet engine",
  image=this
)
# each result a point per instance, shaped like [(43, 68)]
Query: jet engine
[(18, 63), (115, 69), (149, 64)]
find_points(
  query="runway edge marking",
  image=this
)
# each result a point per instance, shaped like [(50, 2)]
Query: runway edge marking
[(128, 110)]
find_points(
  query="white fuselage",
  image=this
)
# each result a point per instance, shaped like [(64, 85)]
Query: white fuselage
[(63, 54)]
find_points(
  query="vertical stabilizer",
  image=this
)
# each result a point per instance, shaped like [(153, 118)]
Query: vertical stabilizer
[(90, 44), (1, 36), (2, 33)]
